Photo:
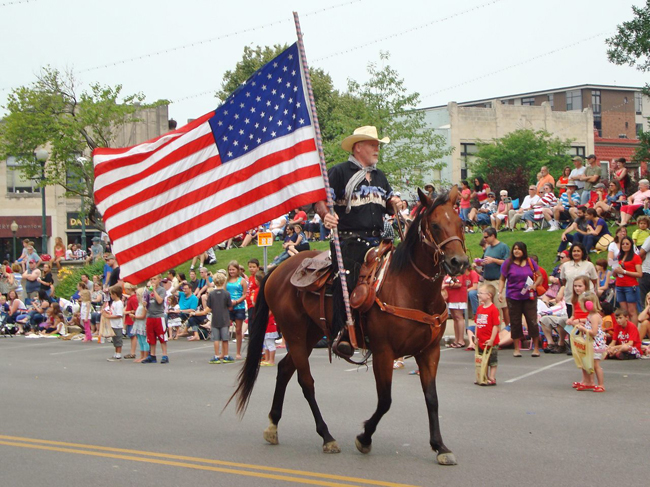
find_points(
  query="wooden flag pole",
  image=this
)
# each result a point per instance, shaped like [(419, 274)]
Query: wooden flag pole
[(323, 167)]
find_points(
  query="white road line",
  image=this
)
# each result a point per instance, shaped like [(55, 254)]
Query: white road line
[(189, 349), (88, 349), (539, 370)]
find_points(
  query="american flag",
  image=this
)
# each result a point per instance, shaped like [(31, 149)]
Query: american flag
[(249, 161)]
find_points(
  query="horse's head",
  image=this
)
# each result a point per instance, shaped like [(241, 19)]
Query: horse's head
[(442, 230)]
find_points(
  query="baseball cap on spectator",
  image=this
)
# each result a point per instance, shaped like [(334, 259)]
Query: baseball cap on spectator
[(165, 281), (577, 158), (591, 156), (97, 239), (110, 256), (491, 193), (564, 253), (571, 183), (599, 185), (503, 192)]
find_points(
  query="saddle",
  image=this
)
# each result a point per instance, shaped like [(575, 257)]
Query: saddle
[(313, 273)]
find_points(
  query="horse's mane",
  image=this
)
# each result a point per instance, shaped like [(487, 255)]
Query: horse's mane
[(407, 247)]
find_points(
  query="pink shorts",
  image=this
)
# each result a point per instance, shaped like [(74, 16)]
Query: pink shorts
[(156, 330)]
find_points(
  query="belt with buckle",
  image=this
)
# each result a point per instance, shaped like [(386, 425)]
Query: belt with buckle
[(362, 234)]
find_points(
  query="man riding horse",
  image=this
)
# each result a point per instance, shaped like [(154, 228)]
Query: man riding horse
[(362, 195)]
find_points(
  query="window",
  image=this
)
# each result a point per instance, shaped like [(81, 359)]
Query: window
[(16, 181), (467, 151), (573, 100), (639, 129), (595, 102), (598, 125), (530, 101), (550, 100), (638, 102), (577, 151)]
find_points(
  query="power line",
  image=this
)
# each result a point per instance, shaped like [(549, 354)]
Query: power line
[(521, 63), (212, 39), (408, 31), (17, 2)]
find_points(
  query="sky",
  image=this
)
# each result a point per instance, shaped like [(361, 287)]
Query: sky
[(457, 50)]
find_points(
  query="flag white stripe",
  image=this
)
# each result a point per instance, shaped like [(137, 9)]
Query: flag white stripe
[(136, 149), (165, 222), (187, 240)]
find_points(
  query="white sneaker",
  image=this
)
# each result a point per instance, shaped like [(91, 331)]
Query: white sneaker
[(554, 227), (529, 229)]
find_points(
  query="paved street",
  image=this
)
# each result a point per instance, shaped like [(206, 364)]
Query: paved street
[(70, 418)]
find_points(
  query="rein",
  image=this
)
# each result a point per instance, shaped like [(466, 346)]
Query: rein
[(427, 239)]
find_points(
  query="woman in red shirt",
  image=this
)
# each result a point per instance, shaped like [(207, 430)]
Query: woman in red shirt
[(564, 179), (628, 272)]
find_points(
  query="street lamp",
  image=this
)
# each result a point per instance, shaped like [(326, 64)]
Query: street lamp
[(41, 156), (14, 229)]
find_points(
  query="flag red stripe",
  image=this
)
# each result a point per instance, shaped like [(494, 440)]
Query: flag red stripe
[(161, 187), (199, 194), (240, 227), (170, 159), (232, 205), (117, 162)]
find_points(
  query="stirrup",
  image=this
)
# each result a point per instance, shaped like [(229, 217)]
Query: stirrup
[(342, 348)]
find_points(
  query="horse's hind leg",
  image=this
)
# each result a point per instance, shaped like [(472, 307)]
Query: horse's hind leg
[(428, 363), (306, 381), (286, 368), (382, 366)]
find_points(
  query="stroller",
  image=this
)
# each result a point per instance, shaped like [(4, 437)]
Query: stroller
[(7, 329)]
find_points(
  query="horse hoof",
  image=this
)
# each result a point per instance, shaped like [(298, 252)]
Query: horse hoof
[(331, 447), (271, 434), (447, 459), (362, 448)]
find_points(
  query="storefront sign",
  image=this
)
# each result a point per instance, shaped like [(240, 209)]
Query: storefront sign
[(28, 226), (74, 221)]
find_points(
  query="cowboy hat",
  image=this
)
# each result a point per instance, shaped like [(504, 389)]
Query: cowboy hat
[(368, 132)]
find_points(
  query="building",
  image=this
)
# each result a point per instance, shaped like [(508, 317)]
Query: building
[(463, 126), (602, 119), (20, 198)]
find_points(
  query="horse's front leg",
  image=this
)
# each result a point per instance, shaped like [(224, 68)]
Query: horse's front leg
[(428, 363), (382, 365)]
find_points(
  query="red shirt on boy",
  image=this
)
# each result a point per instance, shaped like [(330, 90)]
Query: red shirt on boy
[(251, 292), (487, 317), (623, 335)]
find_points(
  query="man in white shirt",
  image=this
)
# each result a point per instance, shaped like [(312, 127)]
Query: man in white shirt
[(526, 207), (578, 174)]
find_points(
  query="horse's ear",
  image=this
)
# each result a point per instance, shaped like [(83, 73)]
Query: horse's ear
[(453, 194), (425, 201)]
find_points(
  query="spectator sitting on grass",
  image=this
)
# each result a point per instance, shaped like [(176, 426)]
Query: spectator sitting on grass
[(626, 343), (565, 210)]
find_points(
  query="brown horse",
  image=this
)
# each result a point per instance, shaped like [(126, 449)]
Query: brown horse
[(433, 246)]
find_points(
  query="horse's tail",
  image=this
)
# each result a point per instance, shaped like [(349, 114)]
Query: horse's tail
[(256, 331)]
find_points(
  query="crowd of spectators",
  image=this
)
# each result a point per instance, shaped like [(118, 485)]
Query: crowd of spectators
[(550, 302)]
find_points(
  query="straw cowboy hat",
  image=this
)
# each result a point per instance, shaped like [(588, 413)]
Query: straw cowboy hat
[(362, 133)]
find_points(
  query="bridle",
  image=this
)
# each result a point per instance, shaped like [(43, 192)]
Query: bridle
[(427, 238)]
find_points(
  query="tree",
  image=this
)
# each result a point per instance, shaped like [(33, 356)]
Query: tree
[(513, 161), (384, 101), (631, 46), (52, 113)]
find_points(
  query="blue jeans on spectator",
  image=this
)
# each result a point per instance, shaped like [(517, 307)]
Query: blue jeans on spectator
[(585, 196), (472, 294), (573, 238)]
